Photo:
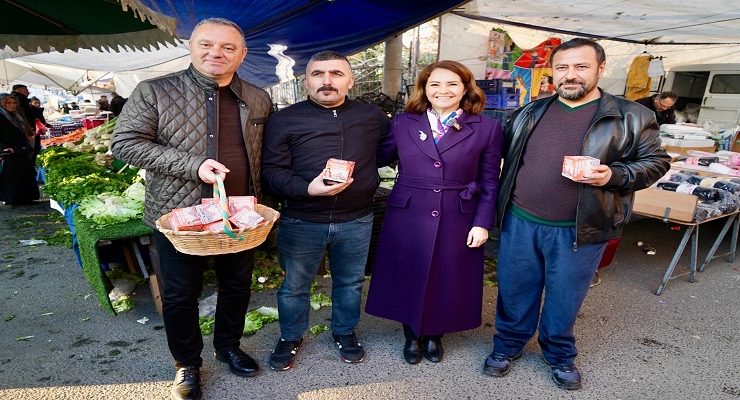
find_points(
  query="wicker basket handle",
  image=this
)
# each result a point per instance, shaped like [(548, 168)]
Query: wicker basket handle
[(219, 194)]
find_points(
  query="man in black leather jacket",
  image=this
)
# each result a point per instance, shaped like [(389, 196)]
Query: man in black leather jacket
[(554, 242)]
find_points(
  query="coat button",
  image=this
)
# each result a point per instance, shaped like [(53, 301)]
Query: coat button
[(437, 190), (210, 98), (435, 213), (437, 164)]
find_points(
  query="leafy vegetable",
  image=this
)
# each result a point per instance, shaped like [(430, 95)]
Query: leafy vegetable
[(206, 325), (319, 299), (109, 209), (119, 273), (72, 190), (61, 237), (317, 329), (136, 191), (252, 323), (80, 165), (123, 304), (256, 319), (267, 314), (54, 154)]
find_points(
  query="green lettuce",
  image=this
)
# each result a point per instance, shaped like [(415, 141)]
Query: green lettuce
[(319, 300), (109, 209)]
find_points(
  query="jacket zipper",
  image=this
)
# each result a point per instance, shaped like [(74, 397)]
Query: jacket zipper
[(341, 157), (215, 117), (580, 187)]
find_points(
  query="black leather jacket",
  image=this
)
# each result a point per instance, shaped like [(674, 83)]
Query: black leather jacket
[(623, 135)]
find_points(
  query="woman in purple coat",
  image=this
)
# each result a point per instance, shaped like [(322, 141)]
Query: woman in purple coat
[(428, 273)]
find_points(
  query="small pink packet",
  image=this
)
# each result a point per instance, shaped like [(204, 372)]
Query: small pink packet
[(338, 170), (236, 203), (194, 218), (246, 219), (577, 168)]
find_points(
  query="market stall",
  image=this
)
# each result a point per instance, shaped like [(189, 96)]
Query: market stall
[(691, 195), (102, 200)]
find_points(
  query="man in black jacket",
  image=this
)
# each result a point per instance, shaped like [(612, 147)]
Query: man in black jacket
[(318, 215), (662, 105), (186, 128), (555, 242)]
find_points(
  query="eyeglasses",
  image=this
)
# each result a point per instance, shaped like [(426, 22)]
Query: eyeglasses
[(664, 104)]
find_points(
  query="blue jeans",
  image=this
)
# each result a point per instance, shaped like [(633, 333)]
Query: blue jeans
[(533, 257), (301, 247)]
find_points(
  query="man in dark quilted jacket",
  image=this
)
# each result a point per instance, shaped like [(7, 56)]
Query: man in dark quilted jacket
[(184, 128)]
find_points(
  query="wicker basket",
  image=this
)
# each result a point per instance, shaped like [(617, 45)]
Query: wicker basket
[(214, 243)]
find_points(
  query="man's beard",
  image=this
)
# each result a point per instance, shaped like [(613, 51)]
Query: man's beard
[(574, 95)]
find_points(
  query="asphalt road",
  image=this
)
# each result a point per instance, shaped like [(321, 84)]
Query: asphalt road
[(633, 344)]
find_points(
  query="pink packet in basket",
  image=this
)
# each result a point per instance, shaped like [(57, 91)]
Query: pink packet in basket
[(194, 218), (246, 219), (217, 226), (236, 203)]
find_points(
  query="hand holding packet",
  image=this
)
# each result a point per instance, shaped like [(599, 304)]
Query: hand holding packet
[(338, 171), (578, 168)]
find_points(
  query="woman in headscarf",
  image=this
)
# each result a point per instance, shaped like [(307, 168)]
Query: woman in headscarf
[(18, 176)]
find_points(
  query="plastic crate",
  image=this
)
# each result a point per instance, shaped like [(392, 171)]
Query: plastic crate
[(493, 101), (489, 86), (507, 83), (509, 101)]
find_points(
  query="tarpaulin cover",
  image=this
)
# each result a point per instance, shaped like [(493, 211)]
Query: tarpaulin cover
[(282, 35)]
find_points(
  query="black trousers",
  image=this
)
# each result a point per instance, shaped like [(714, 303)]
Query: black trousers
[(182, 281)]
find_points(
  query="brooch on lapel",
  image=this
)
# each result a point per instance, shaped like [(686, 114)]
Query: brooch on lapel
[(451, 120), (422, 136)]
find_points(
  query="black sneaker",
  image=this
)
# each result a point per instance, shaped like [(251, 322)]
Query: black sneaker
[(498, 364), (350, 349), (283, 356), (566, 377), (187, 384)]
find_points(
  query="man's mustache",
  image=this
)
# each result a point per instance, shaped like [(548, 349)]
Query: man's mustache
[(327, 89), (571, 82)]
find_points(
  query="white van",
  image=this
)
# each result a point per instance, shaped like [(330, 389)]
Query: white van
[(714, 87)]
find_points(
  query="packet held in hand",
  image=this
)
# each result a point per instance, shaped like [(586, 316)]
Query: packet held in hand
[(577, 168), (338, 170), (194, 218), (246, 219)]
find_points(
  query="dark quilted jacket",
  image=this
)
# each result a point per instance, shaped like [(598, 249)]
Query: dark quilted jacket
[(168, 127)]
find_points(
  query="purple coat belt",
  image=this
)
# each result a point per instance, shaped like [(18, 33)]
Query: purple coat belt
[(467, 190)]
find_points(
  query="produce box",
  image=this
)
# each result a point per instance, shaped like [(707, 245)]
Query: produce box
[(663, 203)]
